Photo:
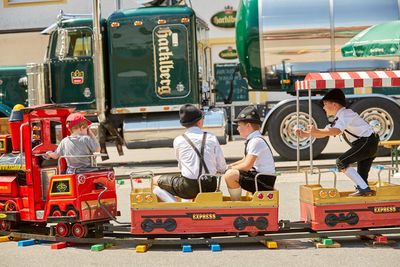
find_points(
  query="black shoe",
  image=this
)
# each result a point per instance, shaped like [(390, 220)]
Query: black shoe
[(361, 192)]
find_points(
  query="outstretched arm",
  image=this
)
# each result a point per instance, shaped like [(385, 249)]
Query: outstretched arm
[(318, 133)]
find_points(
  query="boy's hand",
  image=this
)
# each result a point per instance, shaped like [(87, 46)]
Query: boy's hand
[(47, 156)]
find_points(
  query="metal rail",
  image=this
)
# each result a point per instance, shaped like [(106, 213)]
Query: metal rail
[(128, 239)]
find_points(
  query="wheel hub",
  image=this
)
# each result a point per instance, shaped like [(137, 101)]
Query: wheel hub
[(380, 120), (288, 130)]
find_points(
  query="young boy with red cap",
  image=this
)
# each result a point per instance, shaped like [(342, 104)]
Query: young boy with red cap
[(364, 142), (82, 141)]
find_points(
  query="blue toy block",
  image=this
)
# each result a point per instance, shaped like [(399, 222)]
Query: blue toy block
[(186, 248), (215, 247), (333, 169), (25, 243)]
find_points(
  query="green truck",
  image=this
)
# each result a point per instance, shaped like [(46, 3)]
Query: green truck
[(13, 88), (130, 72)]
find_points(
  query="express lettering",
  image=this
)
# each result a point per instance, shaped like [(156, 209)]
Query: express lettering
[(204, 216), (384, 209)]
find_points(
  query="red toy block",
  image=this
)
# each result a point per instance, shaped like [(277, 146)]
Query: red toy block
[(59, 245)]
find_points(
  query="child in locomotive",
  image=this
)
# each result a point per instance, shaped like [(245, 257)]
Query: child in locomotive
[(257, 158), (82, 141), (197, 153), (364, 142)]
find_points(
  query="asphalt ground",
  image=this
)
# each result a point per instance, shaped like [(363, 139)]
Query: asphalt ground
[(302, 252)]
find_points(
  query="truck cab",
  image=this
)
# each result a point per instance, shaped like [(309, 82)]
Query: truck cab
[(155, 59)]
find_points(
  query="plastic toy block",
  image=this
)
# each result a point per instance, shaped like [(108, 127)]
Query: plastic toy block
[(187, 248), (108, 245), (25, 243), (4, 239), (120, 182), (142, 248), (380, 240), (271, 244), (328, 244), (215, 247), (327, 241), (59, 245), (98, 247)]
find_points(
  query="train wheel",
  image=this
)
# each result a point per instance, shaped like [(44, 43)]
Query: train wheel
[(56, 212), (71, 213), (382, 115), (5, 225), (79, 230), (10, 206), (63, 229), (281, 130)]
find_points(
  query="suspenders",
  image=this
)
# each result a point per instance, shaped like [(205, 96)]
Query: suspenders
[(247, 141), (347, 131), (200, 154)]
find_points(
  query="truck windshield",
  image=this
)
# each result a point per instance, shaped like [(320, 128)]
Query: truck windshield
[(74, 43)]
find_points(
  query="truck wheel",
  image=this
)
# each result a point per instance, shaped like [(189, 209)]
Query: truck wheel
[(281, 132), (383, 115)]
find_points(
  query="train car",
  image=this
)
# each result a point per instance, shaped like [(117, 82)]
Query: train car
[(34, 191), (208, 213), (329, 209)]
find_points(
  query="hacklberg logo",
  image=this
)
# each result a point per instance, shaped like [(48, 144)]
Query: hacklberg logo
[(224, 19)]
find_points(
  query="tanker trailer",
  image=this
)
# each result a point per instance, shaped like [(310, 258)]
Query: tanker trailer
[(279, 42)]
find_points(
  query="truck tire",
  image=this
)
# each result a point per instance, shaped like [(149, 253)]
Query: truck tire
[(281, 131), (383, 115)]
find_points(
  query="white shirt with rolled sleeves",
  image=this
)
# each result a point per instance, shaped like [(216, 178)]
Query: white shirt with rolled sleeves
[(265, 160), (347, 119), (188, 160)]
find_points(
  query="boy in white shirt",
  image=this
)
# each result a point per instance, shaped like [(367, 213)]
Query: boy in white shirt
[(257, 158), (364, 142)]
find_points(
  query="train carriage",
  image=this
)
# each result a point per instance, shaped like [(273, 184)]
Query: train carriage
[(329, 209), (208, 213)]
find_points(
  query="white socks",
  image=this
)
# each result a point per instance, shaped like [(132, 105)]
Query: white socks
[(164, 195), (235, 193), (355, 177)]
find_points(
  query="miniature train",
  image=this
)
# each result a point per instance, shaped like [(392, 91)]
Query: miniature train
[(34, 192)]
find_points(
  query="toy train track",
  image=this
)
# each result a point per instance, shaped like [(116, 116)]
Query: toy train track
[(120, 238)]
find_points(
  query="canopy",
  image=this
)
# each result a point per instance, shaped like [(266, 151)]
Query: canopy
[(330, 80), (378, 40)]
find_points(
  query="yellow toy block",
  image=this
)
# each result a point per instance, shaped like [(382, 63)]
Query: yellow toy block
[(271, 244), (142, 248), (4, 239)]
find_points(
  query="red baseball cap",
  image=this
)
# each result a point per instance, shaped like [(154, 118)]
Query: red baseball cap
[(75, 118)]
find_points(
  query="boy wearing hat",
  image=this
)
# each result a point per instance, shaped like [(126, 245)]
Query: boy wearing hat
[(257, 158), (82, 141), (364, 142), (197, 153)]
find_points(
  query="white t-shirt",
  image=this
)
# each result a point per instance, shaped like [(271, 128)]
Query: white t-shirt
[(347, 119), (189, 161), (257, 146)]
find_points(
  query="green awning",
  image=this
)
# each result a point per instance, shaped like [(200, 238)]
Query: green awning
[(378, 40)]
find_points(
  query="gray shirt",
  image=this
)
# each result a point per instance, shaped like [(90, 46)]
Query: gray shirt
[(76, 145)]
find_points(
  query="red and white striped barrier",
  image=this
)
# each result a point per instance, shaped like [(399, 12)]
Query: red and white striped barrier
[(330, 80)]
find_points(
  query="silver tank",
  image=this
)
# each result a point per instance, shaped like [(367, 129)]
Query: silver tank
[(300, 34)]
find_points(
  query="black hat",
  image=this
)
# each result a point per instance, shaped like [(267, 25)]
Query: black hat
[(189, 114), (248, 114), (335, 95)]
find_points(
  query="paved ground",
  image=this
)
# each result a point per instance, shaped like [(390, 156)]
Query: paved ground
[(290, 253)]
